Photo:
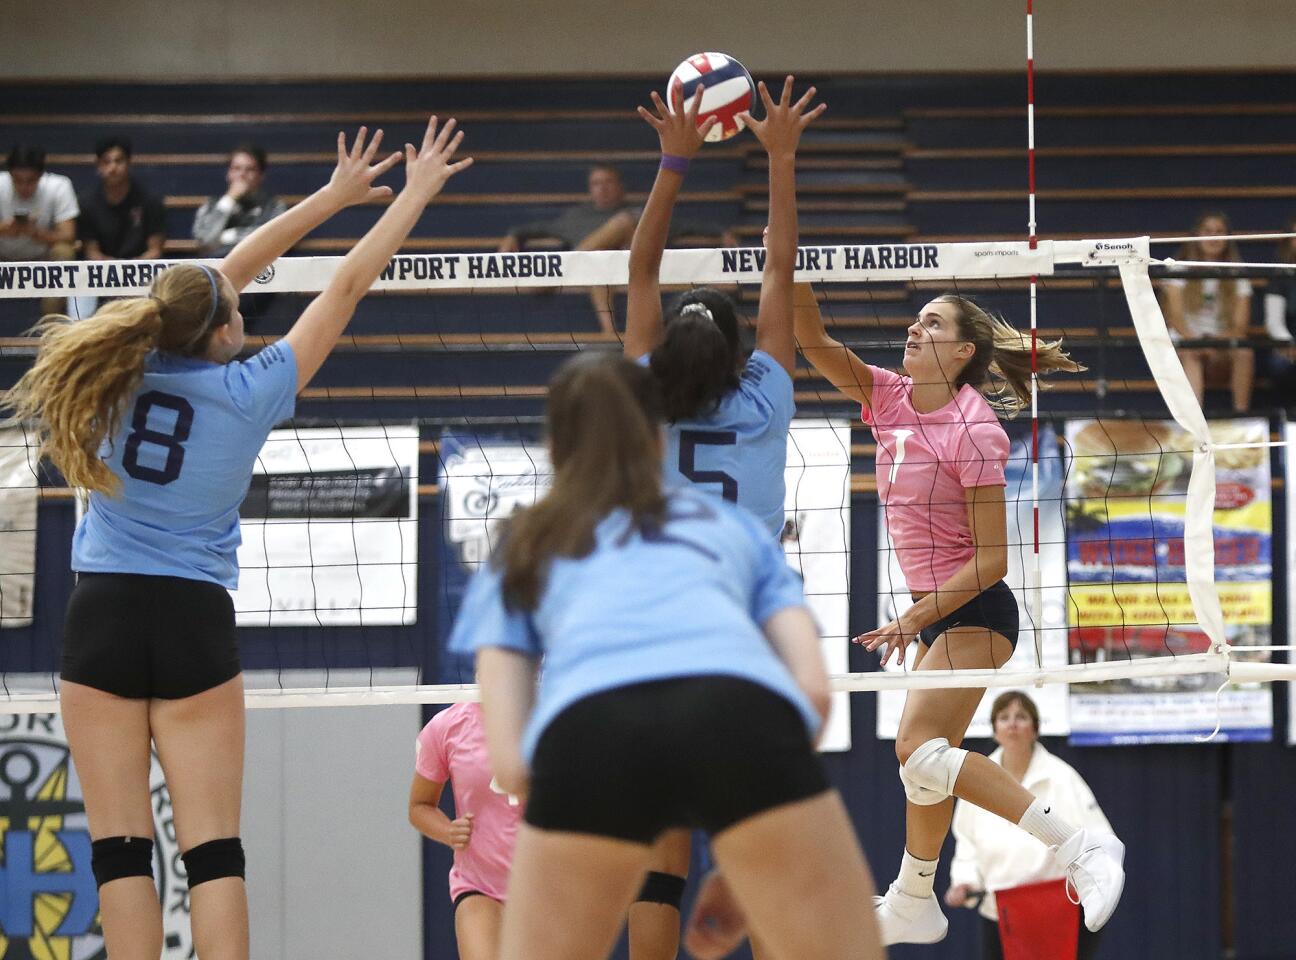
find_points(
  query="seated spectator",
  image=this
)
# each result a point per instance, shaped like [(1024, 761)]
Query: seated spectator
[(604, 222), (1210, 308), (1280, 319), (223, 221), (119, 220), (38, 213), (992, 854)]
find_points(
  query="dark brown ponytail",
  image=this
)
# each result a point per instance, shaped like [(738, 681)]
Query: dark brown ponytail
[(604, 418)]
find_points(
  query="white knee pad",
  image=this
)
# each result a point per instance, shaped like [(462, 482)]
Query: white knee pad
[(930, 772)]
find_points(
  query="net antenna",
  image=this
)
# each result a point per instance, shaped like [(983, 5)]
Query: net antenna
[(1034, 577)]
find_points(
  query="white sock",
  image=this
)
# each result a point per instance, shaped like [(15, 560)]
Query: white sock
[(1044, 825), (917, 877)]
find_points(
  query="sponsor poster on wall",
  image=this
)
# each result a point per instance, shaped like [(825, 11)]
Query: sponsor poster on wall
[(486, 479), (330, 529), (1042, 616), (50, 907), (1289, 461), (1126, 496), (19, 493)]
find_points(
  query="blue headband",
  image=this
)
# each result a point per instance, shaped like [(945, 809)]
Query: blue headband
[(215, 296)]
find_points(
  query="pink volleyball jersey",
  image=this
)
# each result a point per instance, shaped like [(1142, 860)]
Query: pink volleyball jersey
[(453, 747), (925, 462)]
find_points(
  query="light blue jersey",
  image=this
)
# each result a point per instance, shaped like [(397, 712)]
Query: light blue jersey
[(686, 599), (740, 450), (184, 455)]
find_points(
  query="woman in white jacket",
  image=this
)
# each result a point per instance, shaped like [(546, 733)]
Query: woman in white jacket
[(991, 853)]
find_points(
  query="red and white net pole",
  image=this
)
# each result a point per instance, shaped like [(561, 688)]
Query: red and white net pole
[(1033, 605)]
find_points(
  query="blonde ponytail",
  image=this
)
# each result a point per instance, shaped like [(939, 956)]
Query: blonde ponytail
[(87, 371), (1003, 353), (604, 418), (84, 374)]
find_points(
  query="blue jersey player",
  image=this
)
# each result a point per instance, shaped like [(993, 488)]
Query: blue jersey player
[(727, 417), (683, 688), (147, 407)]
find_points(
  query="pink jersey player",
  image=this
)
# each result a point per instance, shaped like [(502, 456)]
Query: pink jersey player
[(452, 748), (925, 463), (940, 475)]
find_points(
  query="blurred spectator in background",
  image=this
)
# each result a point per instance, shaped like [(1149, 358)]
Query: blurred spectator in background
[(1212, 309), (992, 854), (603, 222), (119, 220), (223, 221), (38, 213), (1280, 319)]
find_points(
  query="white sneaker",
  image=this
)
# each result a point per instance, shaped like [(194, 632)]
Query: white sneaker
[(905, 919), (1094, 867)]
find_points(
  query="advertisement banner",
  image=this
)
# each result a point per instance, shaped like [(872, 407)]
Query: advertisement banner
[(1126, 501), (484, 480), (51, 904), (19, 493), (1042, 612), (1289, 461), (330, 529)]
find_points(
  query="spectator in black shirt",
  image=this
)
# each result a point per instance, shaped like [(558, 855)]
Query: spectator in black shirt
[(120, 220)]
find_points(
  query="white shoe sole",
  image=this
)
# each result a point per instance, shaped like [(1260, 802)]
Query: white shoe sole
[(1116, 850), (944, 932)]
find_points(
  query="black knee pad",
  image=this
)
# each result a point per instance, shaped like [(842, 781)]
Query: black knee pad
[(113, 858), (213, 860), (663, 888)]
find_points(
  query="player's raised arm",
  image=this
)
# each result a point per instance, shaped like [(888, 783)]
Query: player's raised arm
[(780, 134), (833, 360), (426, 171), (351, 183), (681, 138)]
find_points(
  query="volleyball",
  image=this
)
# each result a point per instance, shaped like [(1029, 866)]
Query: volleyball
[(727, 90)]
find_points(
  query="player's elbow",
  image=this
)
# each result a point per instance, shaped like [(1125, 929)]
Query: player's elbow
[(992, 562), (347, 287)]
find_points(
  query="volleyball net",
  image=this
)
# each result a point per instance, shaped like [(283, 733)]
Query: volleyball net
[(1139, 532)]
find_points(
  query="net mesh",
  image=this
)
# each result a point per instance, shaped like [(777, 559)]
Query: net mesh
[(368, 511)]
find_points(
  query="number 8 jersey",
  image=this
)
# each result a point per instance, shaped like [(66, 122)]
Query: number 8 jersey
[(184, 454), (740, 450)]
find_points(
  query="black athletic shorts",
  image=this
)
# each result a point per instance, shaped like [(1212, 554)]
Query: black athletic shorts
[(994, 608), (454, 904), (142, 637), (697, 752)]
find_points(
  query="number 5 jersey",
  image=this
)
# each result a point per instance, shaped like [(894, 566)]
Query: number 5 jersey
[(739, 451), (184, 454)]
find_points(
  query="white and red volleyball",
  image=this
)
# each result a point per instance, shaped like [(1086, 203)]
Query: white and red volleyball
[(727, 90)]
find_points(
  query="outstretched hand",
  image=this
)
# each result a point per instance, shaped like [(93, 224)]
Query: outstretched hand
[(352, 180), (893, 638), (780, 131), (432, 164), (677, 128)]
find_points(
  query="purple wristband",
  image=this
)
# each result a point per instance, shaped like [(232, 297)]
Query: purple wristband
[(678, 165)]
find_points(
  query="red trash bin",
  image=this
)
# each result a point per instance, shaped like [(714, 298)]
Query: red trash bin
[(1037, 921)]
